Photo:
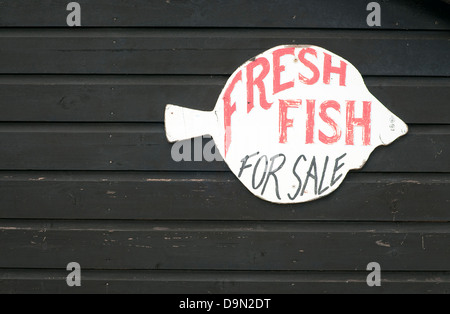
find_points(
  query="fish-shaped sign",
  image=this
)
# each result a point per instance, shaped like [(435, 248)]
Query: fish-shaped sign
[(291, 122)]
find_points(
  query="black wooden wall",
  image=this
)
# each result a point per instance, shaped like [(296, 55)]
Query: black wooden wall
[(86, 173)]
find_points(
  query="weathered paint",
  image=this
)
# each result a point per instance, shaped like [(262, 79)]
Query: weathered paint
[(291, 122)]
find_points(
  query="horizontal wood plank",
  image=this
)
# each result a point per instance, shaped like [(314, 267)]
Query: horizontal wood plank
[(211, 51), (396, 14), (143, 146), (218, 282), (211, 196), (218, 245), (81, 98)]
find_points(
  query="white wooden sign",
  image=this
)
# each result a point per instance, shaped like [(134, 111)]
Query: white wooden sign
[(291, 122)]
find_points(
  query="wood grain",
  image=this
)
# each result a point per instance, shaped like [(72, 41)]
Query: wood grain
[(15, 281), (139, 98), (219, 245), (143, 146), (211, 51), (396, 14), (215, 196)]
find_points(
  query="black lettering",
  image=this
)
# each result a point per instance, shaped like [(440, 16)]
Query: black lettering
[(244, 163), (272, 173), (298, 178), (323, 176), (336, 169), (264, 173), (313, 176)]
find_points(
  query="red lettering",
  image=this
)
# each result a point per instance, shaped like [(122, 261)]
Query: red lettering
[(326, 118), (277, 69), (316, 73), (251, 82), (328, 69), (310, 111), (229, 109), (363, 122), (284, 121)]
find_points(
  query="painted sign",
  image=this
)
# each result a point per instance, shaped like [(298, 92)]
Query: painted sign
[(291, 122)]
